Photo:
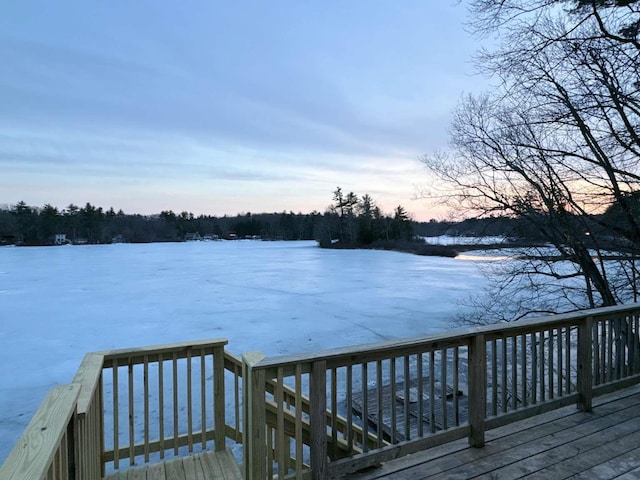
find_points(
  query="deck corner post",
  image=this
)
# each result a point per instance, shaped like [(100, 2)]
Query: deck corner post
[(219, 420), (254, 418), (477, 389), (585, 365), (317, 419)]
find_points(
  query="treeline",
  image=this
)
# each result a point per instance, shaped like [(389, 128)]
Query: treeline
[(28, 225), (349, 221)]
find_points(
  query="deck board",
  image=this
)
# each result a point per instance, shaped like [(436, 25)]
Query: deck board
[(203, 466), (156, 471), (391, 402), (565, 443)]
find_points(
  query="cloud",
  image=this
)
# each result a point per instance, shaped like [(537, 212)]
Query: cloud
[(295, 96)]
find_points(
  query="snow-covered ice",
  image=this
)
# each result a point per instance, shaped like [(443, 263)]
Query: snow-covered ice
[(57, 303)]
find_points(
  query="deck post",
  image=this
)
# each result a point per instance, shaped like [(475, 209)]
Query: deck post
[(254, 418), (318, 419), (585, 365), (89, 438), (219, 420), (477, 389)]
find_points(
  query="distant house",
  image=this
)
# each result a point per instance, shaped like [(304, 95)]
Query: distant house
[(118, 239), (192, 237), (60, 239), (8, 239)]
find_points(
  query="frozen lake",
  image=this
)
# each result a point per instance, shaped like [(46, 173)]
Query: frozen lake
[(57, 303)]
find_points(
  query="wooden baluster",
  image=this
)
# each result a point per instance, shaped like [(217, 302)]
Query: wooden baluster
[(534, 368), (560, 361), (550, 367), (282, 454), (432, 392), (494, 378), (161, 403), (298, 426), (349, 393), (585, 379), (503, 370), (541, 370), (116, 417), (145, 380), (443, 388), (514, 372), (236, 402), (219, 420), (567, 360), (365, 407), (131, 415), (254, 418), (477, 389), (189, 403), (334, 411), (203, 399), (407, 393), (394, 417), (610, 335), (317, 419), (523, 368), (420, 396), (602, 325), (456, 386), (175, 404), (380, 400)]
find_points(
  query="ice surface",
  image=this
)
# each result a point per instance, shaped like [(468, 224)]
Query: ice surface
[(57, 303)]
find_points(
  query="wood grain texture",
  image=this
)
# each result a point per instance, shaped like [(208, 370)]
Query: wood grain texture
[(564, 443), (210, 465), (35, 451)]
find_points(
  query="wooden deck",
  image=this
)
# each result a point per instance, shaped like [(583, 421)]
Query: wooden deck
[(565, 443), (205, 466), (395, 434), (287, 412)]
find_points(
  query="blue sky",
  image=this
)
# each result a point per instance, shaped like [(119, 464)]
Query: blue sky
[(225, 107)]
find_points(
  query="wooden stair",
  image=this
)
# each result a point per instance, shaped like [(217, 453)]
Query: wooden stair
[(202, 466)]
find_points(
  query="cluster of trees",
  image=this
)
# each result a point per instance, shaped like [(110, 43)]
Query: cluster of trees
[(557, 145), (29, 225), (358, 222), (351, 221), (348, 222)]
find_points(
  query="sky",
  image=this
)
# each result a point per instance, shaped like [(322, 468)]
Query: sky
[(221, 107)]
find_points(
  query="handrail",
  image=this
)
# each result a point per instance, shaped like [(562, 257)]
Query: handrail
[(496, 374), (440, 340), (323, 414), (89, 426), (137, 354), (45, 449)]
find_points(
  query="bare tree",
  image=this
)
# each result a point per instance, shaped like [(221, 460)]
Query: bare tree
[(555, 144)]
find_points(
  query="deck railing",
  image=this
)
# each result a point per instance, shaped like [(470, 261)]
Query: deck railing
[(323, 414), (416, 393), (46, 449), (130, 407), (159, 400)]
